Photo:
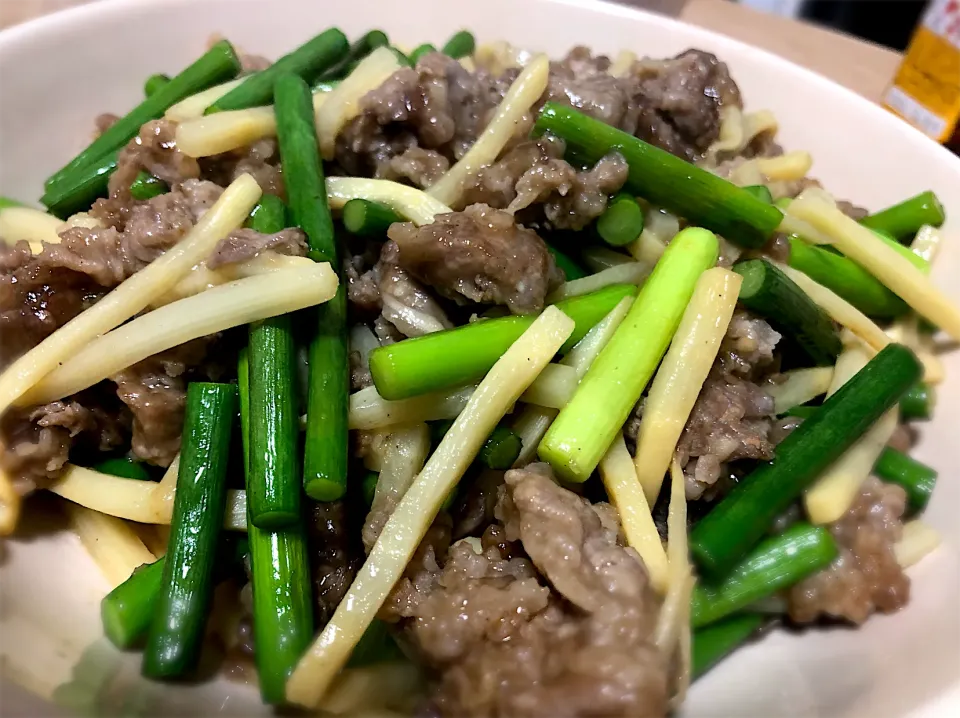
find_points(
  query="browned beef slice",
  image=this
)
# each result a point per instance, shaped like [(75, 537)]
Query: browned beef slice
[(334, 554), (261, 160), (401, 295), (479, 254), (155, 390), (865, 577), (422, 167), (565, 632), (581, 80), (155, 150), (243, 244)]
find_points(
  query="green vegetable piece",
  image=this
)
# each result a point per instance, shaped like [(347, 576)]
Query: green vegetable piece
[(501, 449), (622, 221), (269, 216), (715, 642), (916, 478), (902, 220), (127, 610), (368, 219), (460, 45), (124, 467), (155, 83), (918, 402), (420, 51), (146, 186), (571, 269), (760, 192)]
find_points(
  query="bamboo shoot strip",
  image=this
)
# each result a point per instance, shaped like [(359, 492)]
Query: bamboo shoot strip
[(307, 61), (734, 526), (325, 447), (583, 430), (218, 64), (461, 356), (715, 642), (177, 630), (273, 479), (405, 528), (134, 294), (904, 219), (667, 181), (776, 564)]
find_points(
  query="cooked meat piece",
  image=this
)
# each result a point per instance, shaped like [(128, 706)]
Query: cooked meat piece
[(360, 377), (200, 195), (243, 244), (566, 632), (35, 442), (747, 349), (36, 298), (108, 255), (436, 106), (104, 122), (534, 172), (362, 289), (261, 160), (852, 210), (335, 555), (476, 510), (406, 304), (581, 80), (865, 577), (422, 167), (679, 101), (154, 150), (479, 254), (155, 390)]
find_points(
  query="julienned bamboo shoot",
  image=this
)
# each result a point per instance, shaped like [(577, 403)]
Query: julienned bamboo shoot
[(141, 501), (897, 273), (522, 95), (918, 540), (192, 107), (839, 309), (369, 410), (800, 386), (230, 305), (682, 373), (111, 543), (134, 294), (226, 131), (553, 388), (836, 489), (31, 225), (417, 206), (626, 494), (626, 273), (502, 386), (343, 102), (533, 422), (674, 614)]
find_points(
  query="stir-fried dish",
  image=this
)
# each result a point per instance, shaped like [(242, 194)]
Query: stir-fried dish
[(464, 382)]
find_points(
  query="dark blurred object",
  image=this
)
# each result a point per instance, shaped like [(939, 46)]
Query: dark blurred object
[(885, 22)]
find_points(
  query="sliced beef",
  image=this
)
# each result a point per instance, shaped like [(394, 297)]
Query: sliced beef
[(155, 150), (865, 577), (261, 160), (479, 254), (581, 80), (155, 390), (566, 631), (243, 244), (406, 304), (421, 167), (335, 554), (535, 173)]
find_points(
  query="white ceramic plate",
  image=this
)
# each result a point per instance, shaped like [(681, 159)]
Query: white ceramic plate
[(58, 73)]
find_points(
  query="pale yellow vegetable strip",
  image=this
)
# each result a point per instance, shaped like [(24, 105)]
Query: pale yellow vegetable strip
[(837, 488), (112, 544), (226, 131), (659, 227), (201, 278), (405, 452), (134, 294), (838, 308), (498, 391), (620, 480), (30, 225), (680, 578), (192, 107), (799, 386), (369, 410), (852, 359), (522, 95), (9, 504), (917, 541), (154, 536), (926, 243), (533, 422), (681, 374), (419, 207), (140, 501), (365, 692), (627, 273), (905, 331), (221, 308), (553, 388), (731, 136), (790, 166), (622, 63), (343, 102), (896, 272)]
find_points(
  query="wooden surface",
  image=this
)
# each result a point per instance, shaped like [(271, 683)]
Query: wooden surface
[(861, 66)]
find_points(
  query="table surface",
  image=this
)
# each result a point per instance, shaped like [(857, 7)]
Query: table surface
[(861, 66)]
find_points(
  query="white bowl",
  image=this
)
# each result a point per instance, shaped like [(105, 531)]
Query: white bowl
[(58, 73)]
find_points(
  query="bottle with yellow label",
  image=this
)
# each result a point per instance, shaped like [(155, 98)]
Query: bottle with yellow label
[(926, 89)]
